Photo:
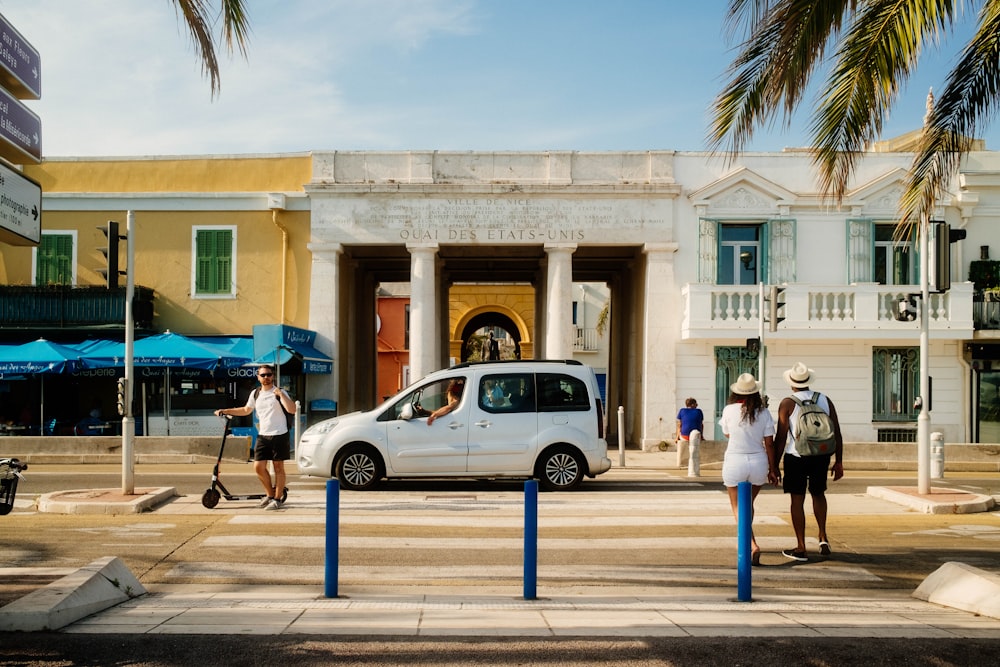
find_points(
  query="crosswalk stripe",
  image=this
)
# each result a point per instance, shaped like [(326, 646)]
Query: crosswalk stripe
[(455, 543), (502, 521), (377, 575)]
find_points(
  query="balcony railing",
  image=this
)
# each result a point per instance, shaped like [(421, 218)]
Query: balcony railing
[(823, 311), (63, 306), (586, 340)]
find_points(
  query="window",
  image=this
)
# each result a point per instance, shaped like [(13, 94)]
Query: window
[(893, 260), (895, 383), (873, 255), (746, 252), (214, 261), (557, 393), (507, 392), (55, 259), (739, 254)]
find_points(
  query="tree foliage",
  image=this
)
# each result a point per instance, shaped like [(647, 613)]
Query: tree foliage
[(234, 31), (867, 50)]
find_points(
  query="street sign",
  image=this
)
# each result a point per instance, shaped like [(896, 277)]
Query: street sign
[(20, 131), (20, 65), (20, 208)]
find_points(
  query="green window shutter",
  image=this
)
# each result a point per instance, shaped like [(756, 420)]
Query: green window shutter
[(778, 250), (214, 261), (860, 251), (55, 260)]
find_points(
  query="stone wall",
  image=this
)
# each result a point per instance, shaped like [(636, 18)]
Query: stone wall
[(108, 449)]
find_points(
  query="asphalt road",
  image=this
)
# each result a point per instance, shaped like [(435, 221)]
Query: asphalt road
[(45, 649)]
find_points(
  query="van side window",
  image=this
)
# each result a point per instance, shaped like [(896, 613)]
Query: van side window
[(560, 393), (507, 392)]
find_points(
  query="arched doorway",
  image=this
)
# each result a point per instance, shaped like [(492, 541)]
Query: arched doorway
[(504, 330)]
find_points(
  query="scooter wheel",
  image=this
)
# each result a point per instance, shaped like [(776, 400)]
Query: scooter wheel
[(284, 494), (210, 498)]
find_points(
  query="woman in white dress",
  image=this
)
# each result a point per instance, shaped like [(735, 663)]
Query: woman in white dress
[(749, 428)]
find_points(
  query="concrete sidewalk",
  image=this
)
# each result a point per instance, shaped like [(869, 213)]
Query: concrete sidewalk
[(683, 612)]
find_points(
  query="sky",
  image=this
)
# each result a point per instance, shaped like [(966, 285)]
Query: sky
[(120, 77)]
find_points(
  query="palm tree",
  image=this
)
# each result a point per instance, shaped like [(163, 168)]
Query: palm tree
[(875, 47), (235, 29)]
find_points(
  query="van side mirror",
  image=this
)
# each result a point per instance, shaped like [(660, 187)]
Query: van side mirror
[(406, 412)]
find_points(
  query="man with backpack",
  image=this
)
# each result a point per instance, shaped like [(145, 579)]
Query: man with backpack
[(809, 435), (272, 404)]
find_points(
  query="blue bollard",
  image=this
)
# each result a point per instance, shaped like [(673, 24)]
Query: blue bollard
[(744, 523), (530, 539), (332, 537)]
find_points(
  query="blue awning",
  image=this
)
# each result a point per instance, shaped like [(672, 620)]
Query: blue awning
[(279, 343)]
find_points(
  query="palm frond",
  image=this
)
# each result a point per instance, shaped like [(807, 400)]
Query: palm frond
[(773, 66), (198, 22), (969, 98), (875, 58)]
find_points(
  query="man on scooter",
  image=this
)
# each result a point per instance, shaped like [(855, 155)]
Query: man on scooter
[(270, 402)]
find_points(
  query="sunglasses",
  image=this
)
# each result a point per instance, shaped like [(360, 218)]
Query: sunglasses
[(266, 375)]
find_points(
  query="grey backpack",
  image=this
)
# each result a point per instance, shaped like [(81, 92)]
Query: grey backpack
[(814, 430)]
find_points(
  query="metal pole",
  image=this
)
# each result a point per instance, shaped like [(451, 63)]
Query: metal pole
[(762, 353), (128, 420), (621, 436), (744, 522), (530, 539), (332, 537), (924, 419)]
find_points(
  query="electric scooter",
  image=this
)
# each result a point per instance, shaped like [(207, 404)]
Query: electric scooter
[(10, 472), (212, 495)]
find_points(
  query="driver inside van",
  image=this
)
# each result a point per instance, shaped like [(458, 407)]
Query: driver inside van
[(454, 396)]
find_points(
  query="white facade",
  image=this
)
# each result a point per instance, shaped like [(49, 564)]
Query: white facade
[(654, 228)]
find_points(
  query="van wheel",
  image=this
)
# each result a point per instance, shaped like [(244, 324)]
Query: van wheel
[(559, 469), (359, 468)]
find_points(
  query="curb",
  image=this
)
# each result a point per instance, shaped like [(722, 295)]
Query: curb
[(104, 501), (938, 501), (962, 587), (104, 583)]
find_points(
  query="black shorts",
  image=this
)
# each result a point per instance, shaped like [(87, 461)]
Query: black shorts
[(272, 448), (801, 471)]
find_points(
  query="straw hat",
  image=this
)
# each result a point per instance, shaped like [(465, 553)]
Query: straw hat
[(799, 375), (745, 385)]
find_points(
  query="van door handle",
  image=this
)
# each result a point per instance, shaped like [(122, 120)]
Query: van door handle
[(455, 426), (484, 424)]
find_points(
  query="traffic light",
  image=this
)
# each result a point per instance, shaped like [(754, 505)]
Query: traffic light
[(122, 400), (775, 304), (939, 254), (753, 346), (110, 252)]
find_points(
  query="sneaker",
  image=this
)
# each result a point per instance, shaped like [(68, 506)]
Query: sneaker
[(792, 554), (265, 502), (274, 504)]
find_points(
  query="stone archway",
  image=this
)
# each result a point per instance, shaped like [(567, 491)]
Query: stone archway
[(490, 318)]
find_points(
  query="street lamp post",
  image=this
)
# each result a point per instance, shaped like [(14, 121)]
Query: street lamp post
[(924, 419)]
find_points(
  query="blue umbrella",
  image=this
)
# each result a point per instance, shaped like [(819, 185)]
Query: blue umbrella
[(39, 356)]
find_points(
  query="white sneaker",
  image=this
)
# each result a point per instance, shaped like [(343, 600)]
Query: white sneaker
[(274, 504), (265, 502)]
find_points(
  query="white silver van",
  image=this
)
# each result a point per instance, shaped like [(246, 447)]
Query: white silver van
[(514, 419)]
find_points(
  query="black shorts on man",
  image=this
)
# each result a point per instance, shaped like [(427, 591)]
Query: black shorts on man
[(803, 471), (272, 447)]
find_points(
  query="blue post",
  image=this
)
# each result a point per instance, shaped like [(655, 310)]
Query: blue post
[(332, 537), (530, 538), (743, 531)]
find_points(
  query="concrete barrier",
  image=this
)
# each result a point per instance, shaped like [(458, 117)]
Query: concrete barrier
[(108, 448), (958, 457)]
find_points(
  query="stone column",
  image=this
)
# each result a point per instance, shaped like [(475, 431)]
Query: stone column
[(423, 310), (662, 315), (325, 315), (559, 301)]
